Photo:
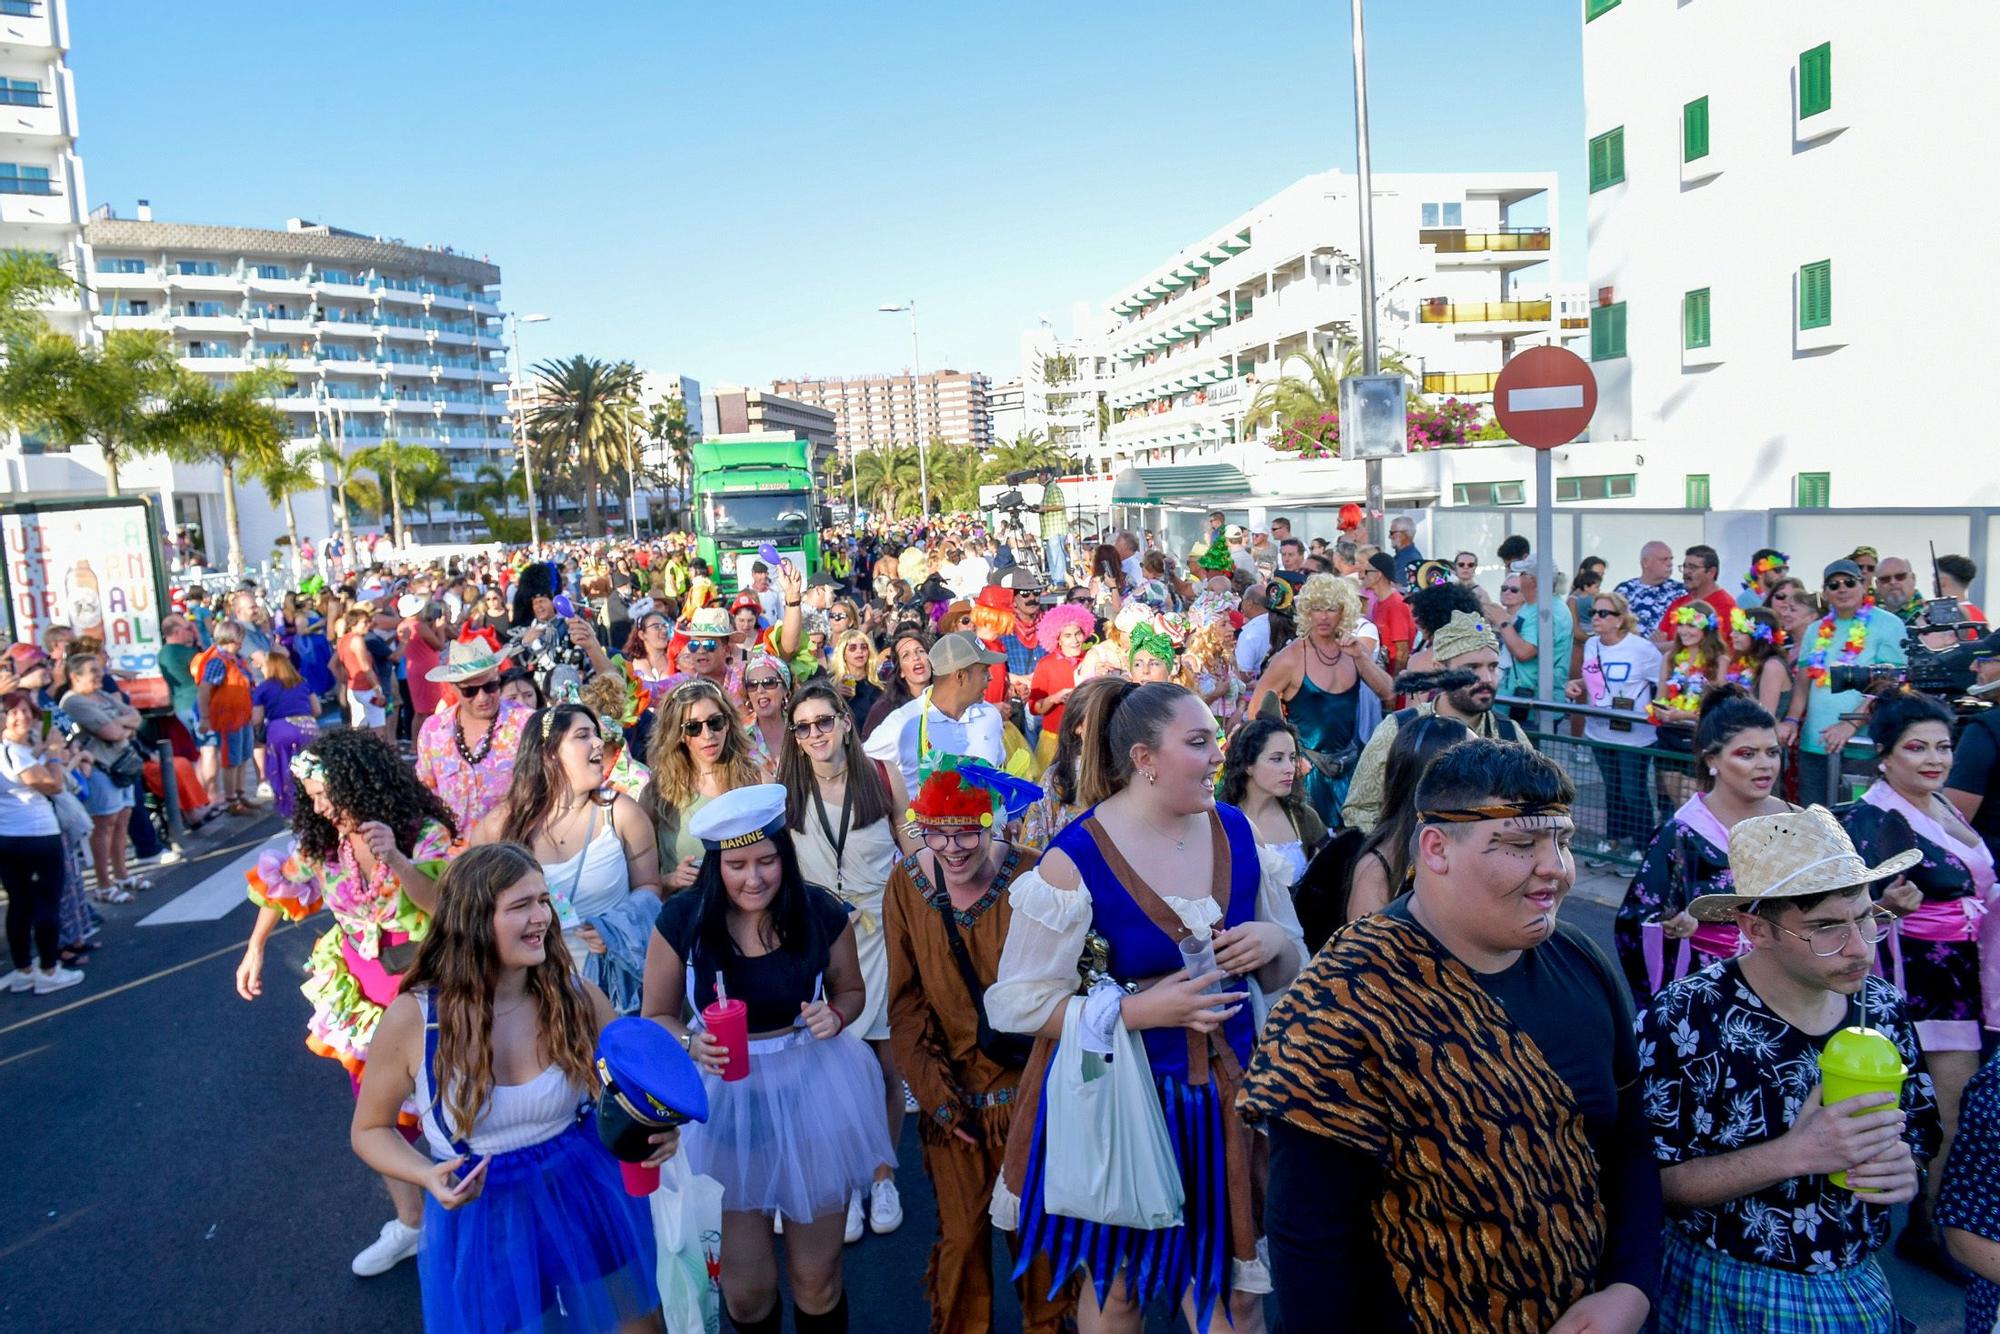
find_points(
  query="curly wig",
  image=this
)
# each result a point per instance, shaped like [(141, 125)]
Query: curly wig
[(537, 579), (1432, 605), (1329, 592), (1060, 618), (368, 780)]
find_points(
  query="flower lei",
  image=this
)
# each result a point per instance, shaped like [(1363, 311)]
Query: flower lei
[(1683, 689), (1742, 623), (1753, 580), (1822, 641)]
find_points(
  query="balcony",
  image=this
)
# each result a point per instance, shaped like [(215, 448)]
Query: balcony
[(208, 321), (1486, 312), (223, 280), (28, 30), (397, 326), (333, 328), (32, 200), (399, 289), (1460, 382), (1509, 248), (280, 281)]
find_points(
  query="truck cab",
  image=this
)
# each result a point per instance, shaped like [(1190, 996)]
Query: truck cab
[(751, 491)]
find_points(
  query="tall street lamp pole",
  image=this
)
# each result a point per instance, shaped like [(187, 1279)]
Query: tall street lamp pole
[(515, 321), (916, 401), (1369, 360)]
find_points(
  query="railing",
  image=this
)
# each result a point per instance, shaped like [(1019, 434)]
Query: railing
[(20, 9), (1576, 321), (1450, 241), (1459, 382), (207, 352), (1483, 312), (28, 185), (23, 97)]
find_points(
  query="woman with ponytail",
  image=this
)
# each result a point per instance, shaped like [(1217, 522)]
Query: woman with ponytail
[(494, 1037), (1120, 873)]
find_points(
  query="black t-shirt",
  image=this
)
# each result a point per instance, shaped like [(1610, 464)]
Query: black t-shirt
[(1974, 768), (773, 985)]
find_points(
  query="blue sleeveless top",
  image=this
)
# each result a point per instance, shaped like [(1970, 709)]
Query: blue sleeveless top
[(1140, 949)]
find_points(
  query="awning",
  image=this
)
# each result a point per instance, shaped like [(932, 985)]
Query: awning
[(1195, 481)]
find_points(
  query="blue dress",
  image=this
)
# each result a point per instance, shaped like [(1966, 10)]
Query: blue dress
[(1163, 1261), (1325, 722)]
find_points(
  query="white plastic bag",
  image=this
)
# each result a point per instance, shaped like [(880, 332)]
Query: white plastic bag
[(687, 1225), (1109, 1158)]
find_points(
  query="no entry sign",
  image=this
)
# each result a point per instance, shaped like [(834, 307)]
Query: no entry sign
[(1545, 397)]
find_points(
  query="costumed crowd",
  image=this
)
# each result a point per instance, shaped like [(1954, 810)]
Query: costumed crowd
[(1201, 910)]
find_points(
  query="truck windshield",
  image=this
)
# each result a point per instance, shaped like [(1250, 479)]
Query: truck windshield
[(760, 514)]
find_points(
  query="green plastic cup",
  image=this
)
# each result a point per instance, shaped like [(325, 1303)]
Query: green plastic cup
[(1854, 1061)]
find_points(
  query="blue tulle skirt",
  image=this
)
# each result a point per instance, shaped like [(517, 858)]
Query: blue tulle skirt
[(552, 1243), (1152, 1262)]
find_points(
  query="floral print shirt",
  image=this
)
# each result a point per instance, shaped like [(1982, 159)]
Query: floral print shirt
[(469, 790), (1720, 1072), (1970, 1197)]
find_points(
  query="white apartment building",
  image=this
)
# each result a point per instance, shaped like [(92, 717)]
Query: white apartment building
[(1462, 280), (42, 198), (1787, 294), (1063, 382), (384, 341), (1005, 410)]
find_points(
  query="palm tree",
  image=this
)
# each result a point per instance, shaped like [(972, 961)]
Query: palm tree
[(350, 488), (590, 409), (235, 427), (1312, 393), (425, 486), (283, 476), (393, 462), (1030, 451), (887, 476), (117, 396), (667, 428)]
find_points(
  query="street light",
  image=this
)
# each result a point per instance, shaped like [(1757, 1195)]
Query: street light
[(916, 400), (1364, 172), (515, 321)]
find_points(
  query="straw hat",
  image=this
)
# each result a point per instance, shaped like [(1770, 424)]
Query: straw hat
[(1791, 856), (467, 658)]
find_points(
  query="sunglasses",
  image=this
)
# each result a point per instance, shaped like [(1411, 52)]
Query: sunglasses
[(806, 727), (1466, 564), (1840, 581), (715, 725), (1866, 569), (1894, 578), (1596, 612), (483, 688), (704, 645), (836, 616), (764, 683)]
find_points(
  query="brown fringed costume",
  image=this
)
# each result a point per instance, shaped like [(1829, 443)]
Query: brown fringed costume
[(935, 1030)]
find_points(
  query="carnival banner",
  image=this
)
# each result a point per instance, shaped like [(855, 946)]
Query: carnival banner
[(92, 566)]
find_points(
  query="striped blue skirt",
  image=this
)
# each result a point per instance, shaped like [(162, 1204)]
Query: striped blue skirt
[(1156, 1262), (1703, 1291)]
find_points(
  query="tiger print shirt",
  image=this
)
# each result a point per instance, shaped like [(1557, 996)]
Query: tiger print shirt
[(1721, 1071)]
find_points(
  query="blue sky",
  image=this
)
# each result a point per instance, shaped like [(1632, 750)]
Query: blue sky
[(729, 191)]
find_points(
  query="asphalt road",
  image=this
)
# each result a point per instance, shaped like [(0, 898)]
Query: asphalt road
[(177, 1160)]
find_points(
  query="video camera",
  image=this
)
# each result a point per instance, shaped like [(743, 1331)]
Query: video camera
[(1945, 670)]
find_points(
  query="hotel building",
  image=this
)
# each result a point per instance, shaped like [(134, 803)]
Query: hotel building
[(871, 411)]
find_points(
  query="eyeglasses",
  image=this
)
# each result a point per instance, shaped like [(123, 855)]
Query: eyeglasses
[(1510, 588), (1840, 581), (1865, 569), (651, 626), (950, 838), (1827, 941), (483, 688), (1894, 578), (764, 683), (1596, 612), (715, 724), (806, 727), (704, 645)]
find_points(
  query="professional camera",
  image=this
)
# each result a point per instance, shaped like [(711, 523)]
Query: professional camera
[(1943, 645)]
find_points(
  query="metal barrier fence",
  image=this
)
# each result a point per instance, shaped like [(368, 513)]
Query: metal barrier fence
[(1625, 793)]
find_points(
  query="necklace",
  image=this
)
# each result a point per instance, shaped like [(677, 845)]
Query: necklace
[(1180, 844), (1329, 659), (472, 759), (1851, 646)]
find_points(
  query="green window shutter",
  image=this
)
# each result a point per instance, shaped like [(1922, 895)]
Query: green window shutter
[(1694, 130), (1812, 490), (1694, 319), (1597, 8), (1697, 491), (1607, 158), (1607, 332), (1816, 295), (1815, 80)]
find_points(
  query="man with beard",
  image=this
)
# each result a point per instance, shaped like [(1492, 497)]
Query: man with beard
[(1758, 1236), (1023, 645), (1464, 647), (466, 753), (1451, 1089)]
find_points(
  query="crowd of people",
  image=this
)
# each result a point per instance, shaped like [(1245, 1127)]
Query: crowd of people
[(965, 819)]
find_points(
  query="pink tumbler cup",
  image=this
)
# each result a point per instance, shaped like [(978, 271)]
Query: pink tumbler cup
[(729, 1022), (640, 1180)]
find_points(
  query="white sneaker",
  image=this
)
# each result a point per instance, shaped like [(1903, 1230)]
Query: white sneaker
[(19, 980), (56, 978), (397, 1243), (853, 1233), (171, 857), (885, 1208)]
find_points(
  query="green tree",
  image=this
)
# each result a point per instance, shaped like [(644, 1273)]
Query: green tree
[(234, 426), (590, 410), (1030, 451), (351, 490), (888, 477), (393, 464), (426, 486), (28, 279), (1310, 394), (123, 396), (283, 476)]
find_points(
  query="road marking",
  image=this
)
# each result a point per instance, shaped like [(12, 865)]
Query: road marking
[(127, 986), (211, 900), (23, 1055), (42, 1234), (1545, 399)]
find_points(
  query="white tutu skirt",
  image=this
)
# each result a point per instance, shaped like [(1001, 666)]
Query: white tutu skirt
[(800, 1133)]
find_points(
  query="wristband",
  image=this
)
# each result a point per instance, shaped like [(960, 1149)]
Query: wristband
[(838, 1015)]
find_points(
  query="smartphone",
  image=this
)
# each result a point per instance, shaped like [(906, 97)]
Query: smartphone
[(48, 723), (469, 1166)]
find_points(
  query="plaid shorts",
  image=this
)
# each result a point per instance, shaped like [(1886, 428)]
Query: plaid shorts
[(1703, 1291)]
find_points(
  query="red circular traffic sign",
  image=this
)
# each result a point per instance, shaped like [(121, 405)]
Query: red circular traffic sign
[(1545, 397)]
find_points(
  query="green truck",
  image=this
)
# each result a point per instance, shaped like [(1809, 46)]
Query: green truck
[(750, 490)]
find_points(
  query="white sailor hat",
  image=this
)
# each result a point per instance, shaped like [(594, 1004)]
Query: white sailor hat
[(740, 817)]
